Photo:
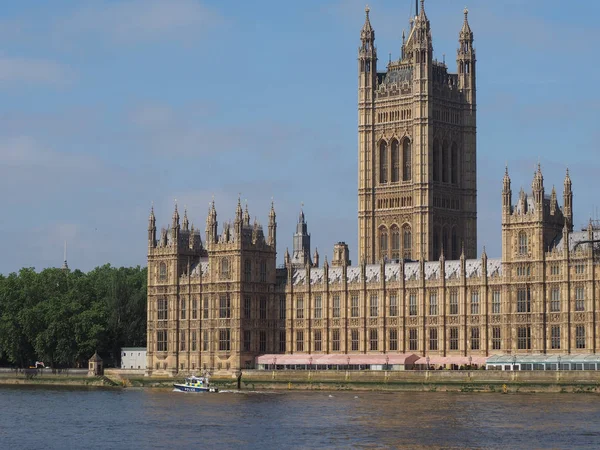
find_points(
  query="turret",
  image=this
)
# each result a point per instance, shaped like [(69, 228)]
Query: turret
[(537, 186), (465, 61), (553, 202), (301, 251), (272, 227), (568, 202), (211, 224), (238, 224), (316, 258), (175, 226), (506, 193), (152, 229), (367, 61), (185, 223)]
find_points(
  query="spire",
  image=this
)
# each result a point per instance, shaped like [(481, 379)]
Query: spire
[(65, 266), (567, 180), (465, 31), (175, 217), (422, 14), (272, 226), (246, 216), (568, 201), (238, 210), (151, 228), (506, 180), (316, 258), (186, 223), (538, 179), (367, 29)]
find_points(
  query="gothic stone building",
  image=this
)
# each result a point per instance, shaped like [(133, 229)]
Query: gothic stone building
[(419, 287)]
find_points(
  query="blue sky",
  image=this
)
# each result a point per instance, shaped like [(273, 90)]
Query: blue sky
[(108, 106)]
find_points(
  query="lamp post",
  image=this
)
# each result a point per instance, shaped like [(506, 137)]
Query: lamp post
[(348, 362), (470, 359), (559, 363), (310, 360), (387, 361), (274, 362), (514, 361), (427, 359)]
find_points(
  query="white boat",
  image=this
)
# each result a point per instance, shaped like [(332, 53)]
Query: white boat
[(195, 384)]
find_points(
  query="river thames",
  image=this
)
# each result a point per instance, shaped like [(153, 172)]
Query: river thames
[(41, 417)]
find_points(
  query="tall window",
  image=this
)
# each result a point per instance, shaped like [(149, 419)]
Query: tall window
[(496, 338), (300, 341), (336, 306), (182, 310), (395, 162), (318, 335), (395, 233), (383, 168), (318, 307), (413, 339), (263, 272), (374, 306), (225, 270), (354, 306), (161, 341), (435, 160), (335, 340), (496, 302), (225, 340), (205, 340), (475, 302), (205, 309), (579, 298), (524, 338), (262, 307), (282, 307), (162, 309), (555, 300), (393, 305), (406, 156), (555, 336), (523, 300), (475, 338), (182, 341), (453, 338), (262, 341), (580, 336), (412, 305), (224, 306), (247, 308), (194, 341), (407, 242), (162, 271), (445, 151), (453, 303), (373, 340), (299, 307), (247, 270), (522, 243), (247, 340), (383, 243), (433, 339), (393, 340), (454, 164), (433, 305), (194, 308), (354, 336), (282, 341)]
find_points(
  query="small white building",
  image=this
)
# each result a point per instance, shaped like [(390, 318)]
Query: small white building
[(133, 358)]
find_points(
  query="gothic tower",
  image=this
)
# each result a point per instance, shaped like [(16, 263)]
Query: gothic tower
[(417, 190)]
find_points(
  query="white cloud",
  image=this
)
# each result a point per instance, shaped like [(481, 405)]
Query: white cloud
[(141, 20), (23, 70)]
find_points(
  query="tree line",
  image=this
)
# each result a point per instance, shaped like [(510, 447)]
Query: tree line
[(62, 317)]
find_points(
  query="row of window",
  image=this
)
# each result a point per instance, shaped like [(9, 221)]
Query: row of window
[(392, 155), (404, 114), (474, 342), (445, 162), (395, 251)]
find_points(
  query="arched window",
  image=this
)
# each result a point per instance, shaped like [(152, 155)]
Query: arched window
[(454, 244), (406, 242), (395, 232), (522, 243), (454, 164), (395, 161), (435, 161), (445, 151), (406, 157), (383, 243), (383, 162), (162, 271)]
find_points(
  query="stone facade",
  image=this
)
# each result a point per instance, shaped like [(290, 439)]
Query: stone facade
[(418, 287)]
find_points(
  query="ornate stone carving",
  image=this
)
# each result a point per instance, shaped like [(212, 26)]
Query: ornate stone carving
[(495, 319), (453, 320), (474, 319), (373, 322), (432, 320), (579, 317), (317, 323), (554, 317), (393, 321), (299, 323), (413, 321), (335, 322)]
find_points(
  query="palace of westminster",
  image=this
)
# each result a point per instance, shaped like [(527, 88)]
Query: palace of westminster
[(219, 302)]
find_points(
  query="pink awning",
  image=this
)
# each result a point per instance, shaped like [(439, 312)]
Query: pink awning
[(338, 359), (458, 360)]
